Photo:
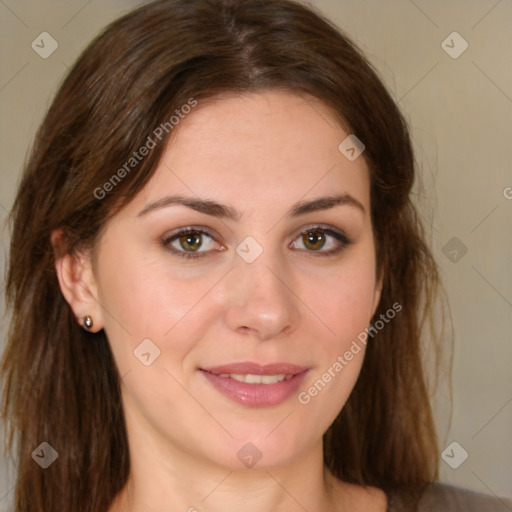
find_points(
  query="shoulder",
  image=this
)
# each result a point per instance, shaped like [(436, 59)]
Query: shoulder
[(446, 498)]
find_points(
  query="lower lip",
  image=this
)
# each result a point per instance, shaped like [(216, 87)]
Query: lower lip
[(256, 395)]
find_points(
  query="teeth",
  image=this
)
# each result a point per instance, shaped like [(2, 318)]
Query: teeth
[(257, 379)]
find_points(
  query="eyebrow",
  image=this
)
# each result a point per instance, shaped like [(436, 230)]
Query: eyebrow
[(219, 210)]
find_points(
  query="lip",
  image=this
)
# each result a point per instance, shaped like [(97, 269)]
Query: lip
[(245, 368), (256, 395)]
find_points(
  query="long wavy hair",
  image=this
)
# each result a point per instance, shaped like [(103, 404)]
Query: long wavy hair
[(61, 384)]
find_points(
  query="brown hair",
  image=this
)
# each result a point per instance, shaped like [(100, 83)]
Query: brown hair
[(61, 383)]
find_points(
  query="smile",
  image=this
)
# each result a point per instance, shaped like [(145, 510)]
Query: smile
[(254, 385), (257, 379)]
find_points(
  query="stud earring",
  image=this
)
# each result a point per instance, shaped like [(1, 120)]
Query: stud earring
[(87, 323)]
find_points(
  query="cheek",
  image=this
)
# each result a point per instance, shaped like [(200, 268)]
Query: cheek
[(346, 301), (345, 306), (145, 298)]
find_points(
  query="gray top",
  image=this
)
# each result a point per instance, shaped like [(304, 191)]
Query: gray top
[(446, 498)]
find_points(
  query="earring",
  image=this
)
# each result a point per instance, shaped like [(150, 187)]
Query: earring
[(87, 323)]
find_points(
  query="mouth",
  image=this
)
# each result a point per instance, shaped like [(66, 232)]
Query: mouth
[(257, 379), (255, 385)]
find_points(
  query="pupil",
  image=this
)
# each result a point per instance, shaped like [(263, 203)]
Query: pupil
[(190, 241), (315, 240)]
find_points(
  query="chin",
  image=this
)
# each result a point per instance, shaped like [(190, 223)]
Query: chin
[(260, 448)]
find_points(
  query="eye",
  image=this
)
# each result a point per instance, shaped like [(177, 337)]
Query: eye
[(190, 242), (325, 241)]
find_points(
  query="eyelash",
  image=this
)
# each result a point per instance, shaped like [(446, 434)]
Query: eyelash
[(338, 235)]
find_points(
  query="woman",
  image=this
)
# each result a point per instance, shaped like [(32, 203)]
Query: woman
[(217, 277)]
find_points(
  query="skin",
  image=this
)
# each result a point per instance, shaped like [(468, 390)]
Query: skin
[(260, 154)]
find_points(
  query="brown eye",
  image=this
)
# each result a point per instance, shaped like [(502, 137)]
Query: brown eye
[(314, 240), (324, 241), (191, 241)]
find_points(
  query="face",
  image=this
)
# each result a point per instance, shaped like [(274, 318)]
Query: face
[(232, 299)]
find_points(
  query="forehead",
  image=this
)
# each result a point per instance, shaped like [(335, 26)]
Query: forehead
[(258, 150)]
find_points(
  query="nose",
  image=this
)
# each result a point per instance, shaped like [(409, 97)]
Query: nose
[(260, 300)]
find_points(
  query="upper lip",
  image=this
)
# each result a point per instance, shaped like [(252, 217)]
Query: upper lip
[(249, 368)]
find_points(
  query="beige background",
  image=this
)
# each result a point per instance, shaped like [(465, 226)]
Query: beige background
[(460, 112)]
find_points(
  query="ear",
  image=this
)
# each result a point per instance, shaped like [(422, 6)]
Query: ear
[(77, 282)]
